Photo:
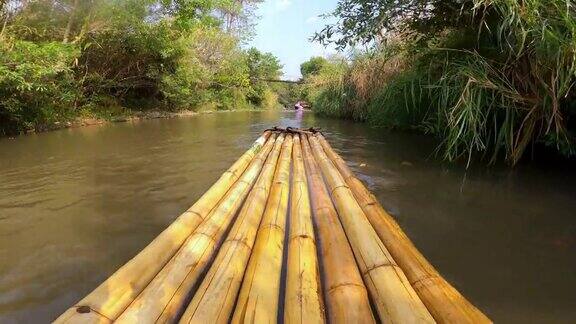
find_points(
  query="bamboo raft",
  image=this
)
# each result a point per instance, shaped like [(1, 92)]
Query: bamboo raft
[(287, 234)]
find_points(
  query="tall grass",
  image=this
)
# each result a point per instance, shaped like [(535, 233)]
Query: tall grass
[(493, 90), (329, 90)]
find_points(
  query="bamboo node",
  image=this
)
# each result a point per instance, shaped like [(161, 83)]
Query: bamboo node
[(244, 182), (240, 241), (421, 281), (210, 238), (195, 213), (231, 172), (346, 284), (270, 225), (303, 236), (382, 265), (338, 187)]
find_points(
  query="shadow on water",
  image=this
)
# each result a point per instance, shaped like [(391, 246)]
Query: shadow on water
[(76, 204)]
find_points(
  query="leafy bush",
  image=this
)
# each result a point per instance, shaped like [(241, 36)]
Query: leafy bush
[(61, 59), (37, 85), (261, 67)]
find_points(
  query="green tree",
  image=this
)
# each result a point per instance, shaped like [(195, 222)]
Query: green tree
[(367, 21), (37, 85), (87, 55), (262, 67), (313, 66)]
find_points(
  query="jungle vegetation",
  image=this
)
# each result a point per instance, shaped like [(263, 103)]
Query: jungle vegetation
[(491, 79), (64, 59)]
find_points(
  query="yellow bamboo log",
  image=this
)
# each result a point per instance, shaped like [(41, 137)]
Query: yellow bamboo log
[(259, 295), (394, 298), (443, 301), (214, 300), (346, 296), (303, 300), (163, 299), (112, 297)]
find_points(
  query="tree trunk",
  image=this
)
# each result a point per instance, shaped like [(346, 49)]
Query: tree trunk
[(70, 21), (3, 14), (3, 27)]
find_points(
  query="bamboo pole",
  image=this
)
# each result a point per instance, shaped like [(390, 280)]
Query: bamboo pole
[(346, 296), (443, 301), (112, 297), (394, 298), (259, 296), (163, 299), (303, 300), (214, 300)]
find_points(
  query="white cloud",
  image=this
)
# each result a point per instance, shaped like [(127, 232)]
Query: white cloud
[(312, 20), (282, 5)]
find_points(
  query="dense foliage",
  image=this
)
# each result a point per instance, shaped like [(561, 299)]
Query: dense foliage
[(60, 59), (367, 21), (313, 66), (492, 78)]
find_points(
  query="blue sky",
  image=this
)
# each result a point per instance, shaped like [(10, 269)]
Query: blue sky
[(284, 29)]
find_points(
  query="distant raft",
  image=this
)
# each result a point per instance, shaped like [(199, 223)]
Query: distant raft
[(287, 234)]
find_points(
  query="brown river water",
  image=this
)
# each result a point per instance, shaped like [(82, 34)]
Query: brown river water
[(76, 204)]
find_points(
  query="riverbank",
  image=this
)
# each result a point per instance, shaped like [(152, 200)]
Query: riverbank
[(127, 116)]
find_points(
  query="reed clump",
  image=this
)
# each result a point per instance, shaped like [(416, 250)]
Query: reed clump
[(492, 82)]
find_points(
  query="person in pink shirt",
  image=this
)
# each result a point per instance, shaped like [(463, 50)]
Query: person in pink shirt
[(298, 106)]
